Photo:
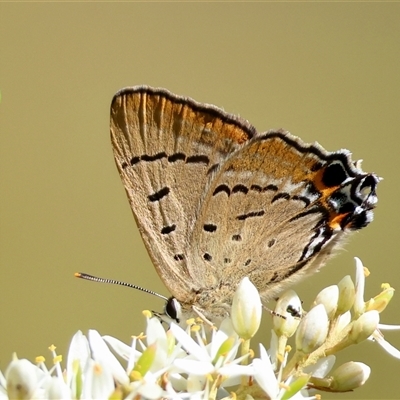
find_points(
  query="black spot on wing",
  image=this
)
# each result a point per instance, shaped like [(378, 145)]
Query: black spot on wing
[(207, 257), (168, 229), (210, 227), (179, 257), (157, 196), (236, 238), (333, 175)]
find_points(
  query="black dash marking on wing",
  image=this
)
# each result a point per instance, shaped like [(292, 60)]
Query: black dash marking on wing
[(157, 156), (176, 157), (274, 278), (207, 257), (237, 238), (198, 159), (168, 229), (227, 260), (297, 267), (316, 166), (256, 188), (304, 199), (210, 227), (179, 257), (248, 261), (124, 165), (250, 214), (212, 168), (240, 188), (313, 210), (272, 188), (158, 195), (326, 234), (134, 160), (271, 243), (279, 196), (222, 188)]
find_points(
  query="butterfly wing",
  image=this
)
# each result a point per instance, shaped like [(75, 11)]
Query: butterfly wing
[(274, 212), (166, 148)]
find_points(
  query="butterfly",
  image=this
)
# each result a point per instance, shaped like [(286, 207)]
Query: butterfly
[(215, 201)]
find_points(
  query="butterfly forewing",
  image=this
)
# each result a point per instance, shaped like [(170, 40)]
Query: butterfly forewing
[(166, 149)]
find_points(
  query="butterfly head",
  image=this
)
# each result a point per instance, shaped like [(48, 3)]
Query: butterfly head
[(172, 311)]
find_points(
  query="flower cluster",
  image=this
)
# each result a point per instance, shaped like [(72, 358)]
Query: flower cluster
[(205, 362)]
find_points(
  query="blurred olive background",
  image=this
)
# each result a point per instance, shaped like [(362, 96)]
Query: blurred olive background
[(325, 72)]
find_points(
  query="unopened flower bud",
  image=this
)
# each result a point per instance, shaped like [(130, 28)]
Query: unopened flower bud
[(329, 298), (349, 376), (21, 379), (312, 330), (364, 326), (246, 309), (347, 294), (287, 314)]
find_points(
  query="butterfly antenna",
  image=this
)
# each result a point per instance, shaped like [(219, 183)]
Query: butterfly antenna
[(88, 277)]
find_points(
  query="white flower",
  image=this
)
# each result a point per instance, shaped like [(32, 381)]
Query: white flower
[(217, 358), (204, 362)]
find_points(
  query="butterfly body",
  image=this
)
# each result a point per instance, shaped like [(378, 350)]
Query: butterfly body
[(216, 201)]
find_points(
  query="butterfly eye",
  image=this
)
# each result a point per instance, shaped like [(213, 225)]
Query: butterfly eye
[(173, 309)]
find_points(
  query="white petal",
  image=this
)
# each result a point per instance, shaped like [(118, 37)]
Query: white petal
[(99, 381), (150, 390), (359, 305), (322, 367), (56, 388), (385, 327), (194, 367), (121, 348), (188, 343), (386, 345), (78, 350), (102, 354), (265, 377)]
